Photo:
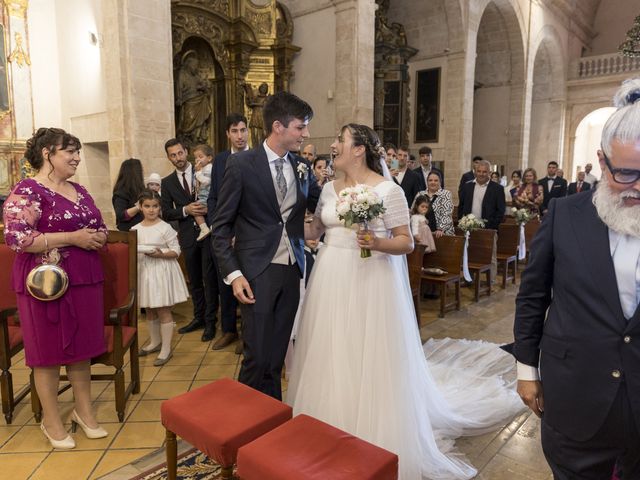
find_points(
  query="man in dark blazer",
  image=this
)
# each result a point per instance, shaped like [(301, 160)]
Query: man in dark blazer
[(483, 198), (426, 167), (179, 205), (237, 134), (577, 325), (264, 195), (553, 186), (579, 186), (467, 176), (408, 180)]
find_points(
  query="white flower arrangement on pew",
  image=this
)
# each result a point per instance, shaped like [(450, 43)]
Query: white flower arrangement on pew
[(470, 222), (522, 215)]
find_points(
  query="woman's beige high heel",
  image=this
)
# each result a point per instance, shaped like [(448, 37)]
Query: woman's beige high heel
[(91, 433), (66, 443)]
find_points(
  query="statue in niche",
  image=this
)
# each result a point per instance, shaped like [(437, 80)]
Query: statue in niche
[(255, 102), (393, 33), (193, 99)]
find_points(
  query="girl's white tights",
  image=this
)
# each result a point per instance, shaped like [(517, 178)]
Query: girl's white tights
[(166, 331)]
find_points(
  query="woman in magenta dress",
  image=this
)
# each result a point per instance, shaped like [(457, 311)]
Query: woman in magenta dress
[(42, 213)]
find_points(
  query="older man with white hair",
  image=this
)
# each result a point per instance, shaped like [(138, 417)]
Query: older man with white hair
[(577, 322)]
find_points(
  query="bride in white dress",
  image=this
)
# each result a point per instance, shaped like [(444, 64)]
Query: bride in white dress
[(358, 360)]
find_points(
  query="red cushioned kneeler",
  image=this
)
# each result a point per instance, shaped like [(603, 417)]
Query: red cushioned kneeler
[(306, 448), (221, 417)]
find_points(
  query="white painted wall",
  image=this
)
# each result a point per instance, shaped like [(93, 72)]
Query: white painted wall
[(45, 71)]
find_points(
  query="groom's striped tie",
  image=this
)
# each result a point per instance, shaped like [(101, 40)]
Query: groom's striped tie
[(280, 180)]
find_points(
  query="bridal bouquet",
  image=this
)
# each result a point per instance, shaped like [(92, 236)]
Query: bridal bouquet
[(470, 222), (359, 205), (522, 215)]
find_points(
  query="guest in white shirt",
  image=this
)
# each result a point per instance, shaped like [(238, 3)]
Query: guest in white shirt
[(589, 177)]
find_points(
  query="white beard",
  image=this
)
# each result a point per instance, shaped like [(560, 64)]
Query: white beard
[(613, 212)]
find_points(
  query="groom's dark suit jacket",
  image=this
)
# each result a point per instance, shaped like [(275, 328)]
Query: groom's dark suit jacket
[(585, 345), (247, 206)]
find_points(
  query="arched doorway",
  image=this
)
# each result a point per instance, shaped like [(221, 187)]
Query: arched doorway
[(499, 87), (587, 141)]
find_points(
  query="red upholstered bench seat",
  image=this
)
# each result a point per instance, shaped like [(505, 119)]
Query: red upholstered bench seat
[(306, 448), (221, 417)]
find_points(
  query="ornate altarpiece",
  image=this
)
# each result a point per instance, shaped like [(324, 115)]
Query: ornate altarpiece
[(391, 87), (237, 45), (16, 110)]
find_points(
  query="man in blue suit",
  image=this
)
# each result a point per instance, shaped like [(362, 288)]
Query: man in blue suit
[(237, 134)]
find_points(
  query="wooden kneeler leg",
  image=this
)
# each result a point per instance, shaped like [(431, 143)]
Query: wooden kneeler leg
[(443, 298), (226, 473), (172, 455)]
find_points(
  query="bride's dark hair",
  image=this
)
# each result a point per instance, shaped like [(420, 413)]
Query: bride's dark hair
[(368, 138)]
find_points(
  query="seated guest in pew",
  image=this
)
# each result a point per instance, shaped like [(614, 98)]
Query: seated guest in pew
[(578, 186), (440, 213), (530, 195), (419, 224)]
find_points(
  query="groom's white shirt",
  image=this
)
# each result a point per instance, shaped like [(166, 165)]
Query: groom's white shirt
[(628, 280), (289, 175)]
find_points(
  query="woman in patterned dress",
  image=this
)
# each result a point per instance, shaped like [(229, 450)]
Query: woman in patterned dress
[(441, 210), (50, 212)]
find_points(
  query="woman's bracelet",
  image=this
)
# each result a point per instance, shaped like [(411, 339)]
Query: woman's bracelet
[(46, 243)]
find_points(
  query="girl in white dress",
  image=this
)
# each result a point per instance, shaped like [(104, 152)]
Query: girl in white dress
[(160, 281), (358, 360)]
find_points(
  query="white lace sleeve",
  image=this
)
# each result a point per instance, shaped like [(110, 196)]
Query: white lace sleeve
[(396, 210), (322, 200)]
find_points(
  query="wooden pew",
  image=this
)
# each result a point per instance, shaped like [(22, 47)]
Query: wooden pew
[(447, 257), (508, 240)]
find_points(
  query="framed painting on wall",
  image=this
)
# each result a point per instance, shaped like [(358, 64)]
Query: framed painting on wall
[(427, 106)]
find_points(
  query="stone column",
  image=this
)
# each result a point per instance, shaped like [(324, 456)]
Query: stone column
[(139, 78), (355, 44)]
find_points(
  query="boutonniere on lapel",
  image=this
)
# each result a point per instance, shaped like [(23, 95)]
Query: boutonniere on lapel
[(303, 171)]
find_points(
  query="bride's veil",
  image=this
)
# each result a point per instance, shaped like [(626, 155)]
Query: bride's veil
[(386, 173)]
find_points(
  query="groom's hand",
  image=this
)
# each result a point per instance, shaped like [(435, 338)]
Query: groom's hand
[(530, 392), (242, 291)]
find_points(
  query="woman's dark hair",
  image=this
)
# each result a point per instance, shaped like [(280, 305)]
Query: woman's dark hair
[(419, 200), (51, 138), (517, 172), (284, 107), (148, 194), (204, 148), (319, 159), (364, 136), (130, 181)]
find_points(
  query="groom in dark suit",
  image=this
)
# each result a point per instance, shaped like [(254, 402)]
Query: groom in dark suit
[(262, 202), (577, 325)]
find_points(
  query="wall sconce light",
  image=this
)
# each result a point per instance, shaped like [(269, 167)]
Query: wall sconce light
[(93, 39)]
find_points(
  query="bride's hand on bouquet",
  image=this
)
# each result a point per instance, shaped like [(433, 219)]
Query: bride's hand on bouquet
[(530, 392), (366, 239), (242, 291)]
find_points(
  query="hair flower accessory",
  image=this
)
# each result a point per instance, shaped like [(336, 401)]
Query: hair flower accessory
[(302, 170)]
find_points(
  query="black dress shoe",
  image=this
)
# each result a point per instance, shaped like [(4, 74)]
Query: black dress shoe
[(208, 334), (194, 325)]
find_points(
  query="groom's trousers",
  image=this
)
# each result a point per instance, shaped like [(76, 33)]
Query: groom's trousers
[(617, 441), (267, 325)]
